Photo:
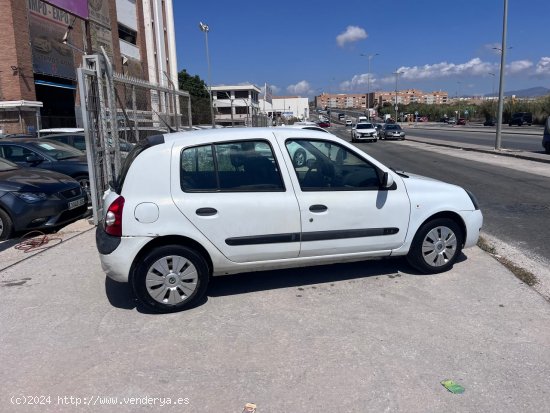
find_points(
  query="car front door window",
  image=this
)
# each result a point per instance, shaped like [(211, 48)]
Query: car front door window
[(332, 167)]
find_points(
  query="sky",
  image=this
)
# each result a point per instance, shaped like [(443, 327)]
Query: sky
[(307, 48)]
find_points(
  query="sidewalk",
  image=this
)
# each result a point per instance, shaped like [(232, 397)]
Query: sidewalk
[(517, 130), (530, 156)]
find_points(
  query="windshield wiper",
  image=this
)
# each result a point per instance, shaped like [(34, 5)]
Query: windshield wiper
[(400, 173)]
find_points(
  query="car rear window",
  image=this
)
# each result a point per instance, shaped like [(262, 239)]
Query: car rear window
[(229, 167), (132, 155)]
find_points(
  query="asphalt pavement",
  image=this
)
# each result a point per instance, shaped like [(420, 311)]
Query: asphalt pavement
[(368, 336)]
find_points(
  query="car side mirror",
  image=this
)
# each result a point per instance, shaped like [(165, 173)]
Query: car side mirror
[(33, 159), (387, 180)]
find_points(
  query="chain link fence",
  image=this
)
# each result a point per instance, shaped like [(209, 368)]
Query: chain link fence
[(118, 111)]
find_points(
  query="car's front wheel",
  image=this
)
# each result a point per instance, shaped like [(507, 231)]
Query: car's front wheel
[(6, 225), (436, 246), (170, 278)]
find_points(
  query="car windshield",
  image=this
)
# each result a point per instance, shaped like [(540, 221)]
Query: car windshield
[(6, 165), (365, 126), (393, 127), (57, 150)]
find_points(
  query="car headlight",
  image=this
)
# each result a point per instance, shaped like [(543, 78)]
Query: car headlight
[(31, 197)]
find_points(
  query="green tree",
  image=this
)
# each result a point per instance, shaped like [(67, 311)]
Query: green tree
[(200, 102)]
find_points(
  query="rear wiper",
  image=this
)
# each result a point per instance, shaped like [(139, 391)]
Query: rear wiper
[(400, 173)]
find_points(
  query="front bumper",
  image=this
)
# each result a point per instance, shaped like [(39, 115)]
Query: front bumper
[(365, 137), (46, 214)]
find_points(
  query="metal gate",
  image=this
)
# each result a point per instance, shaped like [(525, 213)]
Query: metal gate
[(118, 111)]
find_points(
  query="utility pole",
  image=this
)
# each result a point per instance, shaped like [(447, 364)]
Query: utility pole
[(498, 138)]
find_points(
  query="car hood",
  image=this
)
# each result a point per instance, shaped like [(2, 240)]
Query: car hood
[(365, 130), (34, 180)]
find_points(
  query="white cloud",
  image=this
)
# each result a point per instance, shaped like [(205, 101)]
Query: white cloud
[(352, 34), (518, 66), (543, 66), (473, 67), (359, 81), (275, 89), (300, 88)]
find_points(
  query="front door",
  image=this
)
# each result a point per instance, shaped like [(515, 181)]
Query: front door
[(342, 205)]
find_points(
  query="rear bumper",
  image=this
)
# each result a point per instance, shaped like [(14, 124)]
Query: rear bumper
[(118, 254)]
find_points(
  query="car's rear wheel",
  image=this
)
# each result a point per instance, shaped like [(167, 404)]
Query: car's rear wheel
[(6, 225), (170, 278), (299, 158), (436, 246)]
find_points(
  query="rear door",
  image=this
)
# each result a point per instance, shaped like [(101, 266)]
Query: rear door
[(237, 196)]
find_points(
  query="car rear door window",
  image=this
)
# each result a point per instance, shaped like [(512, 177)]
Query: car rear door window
[(233, 166)]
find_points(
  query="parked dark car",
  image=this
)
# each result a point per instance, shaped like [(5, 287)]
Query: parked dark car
[(47, 154), (461, 121), (489, 122), (78, 141), (392, 131), (546, 136), (521, 118), (33, 198), (324, 124)]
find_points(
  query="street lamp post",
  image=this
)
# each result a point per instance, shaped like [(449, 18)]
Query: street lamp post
[(204, 28), (498, 138), (368, 82), (396, 73), (458, 100)]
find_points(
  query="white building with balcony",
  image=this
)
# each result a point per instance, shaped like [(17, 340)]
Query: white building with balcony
[(236, 105)]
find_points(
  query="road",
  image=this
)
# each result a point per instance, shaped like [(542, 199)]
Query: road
[(515, 140), (515, 203)]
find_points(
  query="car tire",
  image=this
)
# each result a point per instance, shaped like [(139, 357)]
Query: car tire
[(436, 246), (6, 225), (299, 158), (170, 278), (547, 147)]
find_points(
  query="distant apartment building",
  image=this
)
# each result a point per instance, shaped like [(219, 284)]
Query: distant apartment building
[(405, 97), (374, 99), (342, 100), (38, 83)]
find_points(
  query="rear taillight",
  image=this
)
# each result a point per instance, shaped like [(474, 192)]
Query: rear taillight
[(113, 218)]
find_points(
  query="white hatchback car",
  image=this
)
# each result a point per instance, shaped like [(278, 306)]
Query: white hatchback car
[(192, 205), (364, 131)]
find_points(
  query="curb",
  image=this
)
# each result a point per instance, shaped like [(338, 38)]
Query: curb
[(503, 152)]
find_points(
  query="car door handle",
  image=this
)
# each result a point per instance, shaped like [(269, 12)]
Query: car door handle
[(318, 208), (206, 212)]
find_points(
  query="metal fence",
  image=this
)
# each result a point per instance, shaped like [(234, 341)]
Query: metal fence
[(118, 111)]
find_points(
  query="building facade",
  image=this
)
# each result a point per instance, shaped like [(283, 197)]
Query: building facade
[(236, 105), (375, 99), (38, 84), (342, 101)]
